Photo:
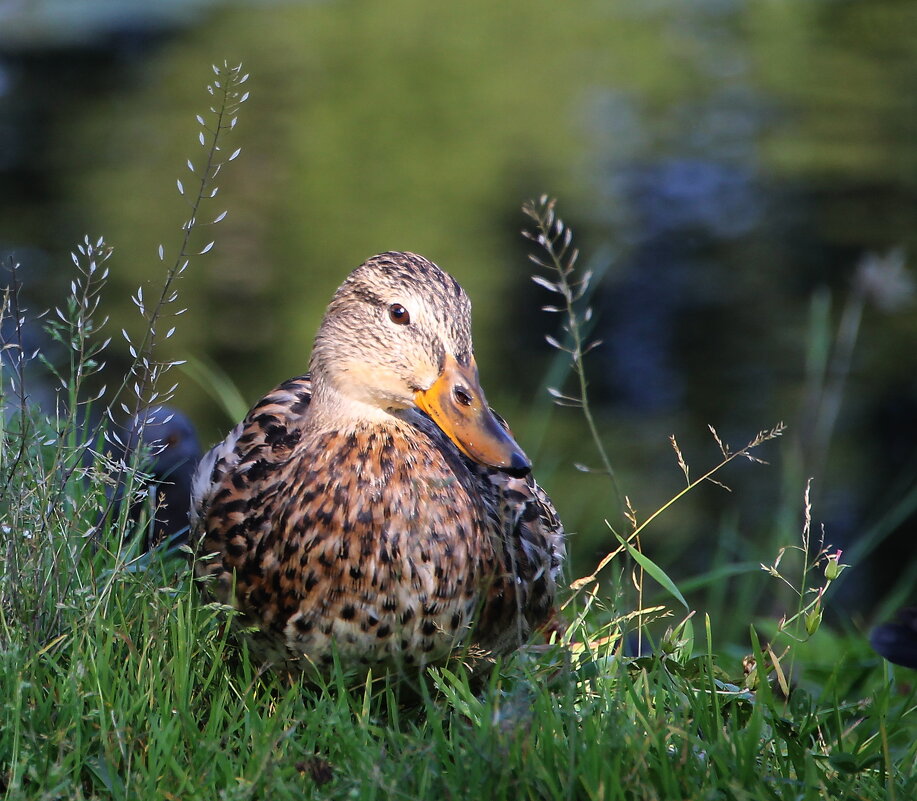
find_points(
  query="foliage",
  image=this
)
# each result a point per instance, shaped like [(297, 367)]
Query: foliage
[(120, 682)]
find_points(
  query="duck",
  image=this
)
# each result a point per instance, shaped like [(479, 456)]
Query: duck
[(162, 444), (169, 441), (375, 512), (897, 640)]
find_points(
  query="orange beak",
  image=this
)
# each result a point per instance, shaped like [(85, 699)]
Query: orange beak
[(456, 403)]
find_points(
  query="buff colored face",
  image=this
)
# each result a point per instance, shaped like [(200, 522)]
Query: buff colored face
[(401, 338)]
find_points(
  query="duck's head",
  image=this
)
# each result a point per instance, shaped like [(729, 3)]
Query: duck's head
[(397, 336)]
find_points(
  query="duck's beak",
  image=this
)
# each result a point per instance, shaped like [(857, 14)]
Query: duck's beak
[(456, 403)]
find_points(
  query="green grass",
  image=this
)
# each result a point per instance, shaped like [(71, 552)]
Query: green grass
[(142, 695), (118, 680)]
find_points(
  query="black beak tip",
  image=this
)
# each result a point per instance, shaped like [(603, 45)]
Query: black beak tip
[(519, 465)]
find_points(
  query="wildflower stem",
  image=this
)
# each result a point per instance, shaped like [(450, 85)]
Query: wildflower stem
[(230, 98), (762, 436), (556, 240)]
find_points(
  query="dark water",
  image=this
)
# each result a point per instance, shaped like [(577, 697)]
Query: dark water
[(726, 166)]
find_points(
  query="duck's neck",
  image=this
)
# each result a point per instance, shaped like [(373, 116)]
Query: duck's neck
[(332, 409)]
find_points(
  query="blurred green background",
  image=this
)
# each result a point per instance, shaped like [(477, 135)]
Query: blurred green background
[(726, 167)]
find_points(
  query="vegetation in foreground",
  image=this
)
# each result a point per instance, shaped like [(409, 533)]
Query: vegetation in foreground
[(118, 681)]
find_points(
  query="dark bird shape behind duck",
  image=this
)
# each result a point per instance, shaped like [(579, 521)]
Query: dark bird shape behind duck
[(376, 507), (897, 641), (170, 453)]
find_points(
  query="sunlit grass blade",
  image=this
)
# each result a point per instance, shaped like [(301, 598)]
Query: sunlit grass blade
[(654, 571)]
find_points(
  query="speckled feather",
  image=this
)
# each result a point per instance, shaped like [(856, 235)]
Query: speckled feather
[(380, 541)]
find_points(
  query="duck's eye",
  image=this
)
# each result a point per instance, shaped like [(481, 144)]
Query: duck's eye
[(398, 314), (462, 396)]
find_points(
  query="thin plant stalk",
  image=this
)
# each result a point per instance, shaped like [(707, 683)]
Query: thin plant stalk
[(556, 239)]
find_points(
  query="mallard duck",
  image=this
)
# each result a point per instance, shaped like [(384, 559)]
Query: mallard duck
[(376, 507)]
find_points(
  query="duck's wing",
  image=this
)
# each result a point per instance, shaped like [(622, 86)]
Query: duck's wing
[(265, 437), (529, 541), (532, 539)]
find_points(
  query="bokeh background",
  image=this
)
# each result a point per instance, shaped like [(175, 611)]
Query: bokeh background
[(728, 167)]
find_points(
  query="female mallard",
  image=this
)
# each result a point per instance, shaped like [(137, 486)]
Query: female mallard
[(376, 507)]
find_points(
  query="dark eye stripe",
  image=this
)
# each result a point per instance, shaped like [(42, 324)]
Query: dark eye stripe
[(398, 314)]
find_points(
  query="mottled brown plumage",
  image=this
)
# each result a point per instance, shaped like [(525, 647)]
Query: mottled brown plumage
[(378, 509)]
